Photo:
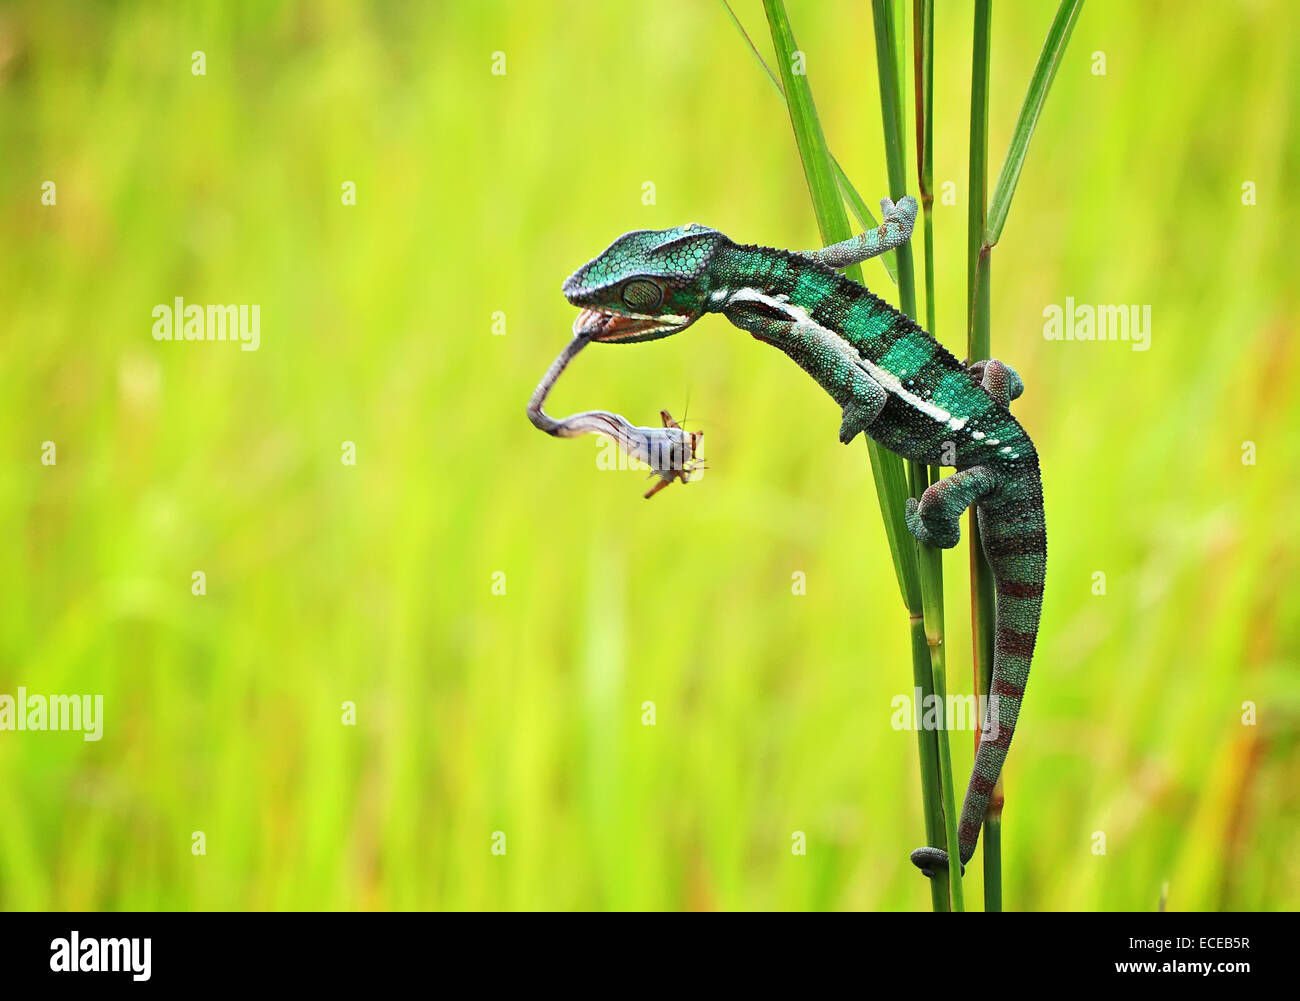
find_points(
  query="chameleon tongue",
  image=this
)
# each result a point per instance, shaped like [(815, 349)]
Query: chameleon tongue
[(603, 325), (669, 451), (590, 321)]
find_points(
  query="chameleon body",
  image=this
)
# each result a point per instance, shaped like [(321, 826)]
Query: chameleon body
[(892, 381)]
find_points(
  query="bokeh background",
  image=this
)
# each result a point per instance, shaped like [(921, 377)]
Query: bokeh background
[(522, 712)]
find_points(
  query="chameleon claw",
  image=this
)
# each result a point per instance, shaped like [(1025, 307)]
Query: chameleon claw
[(932, 861), (912, 516), (904, 210)]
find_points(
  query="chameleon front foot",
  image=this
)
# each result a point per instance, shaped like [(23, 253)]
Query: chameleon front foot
[(903, 212), (862, 402), (857, 418), (895, 229), (932, 861)]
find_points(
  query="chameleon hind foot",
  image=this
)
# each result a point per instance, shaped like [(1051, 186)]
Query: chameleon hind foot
[(999, 380), (940, 532), (932, 861), (936, 519)]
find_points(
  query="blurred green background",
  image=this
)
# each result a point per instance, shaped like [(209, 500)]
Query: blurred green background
[(522, 712)]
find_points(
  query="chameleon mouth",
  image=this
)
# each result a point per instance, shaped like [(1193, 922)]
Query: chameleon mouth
[(606, 325)]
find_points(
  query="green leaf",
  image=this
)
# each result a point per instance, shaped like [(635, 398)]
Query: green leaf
[(977, 170), (891, 114), (978, 264), (856, 203), (810, 139), (833, 223), (923, 69), (1058, 36)]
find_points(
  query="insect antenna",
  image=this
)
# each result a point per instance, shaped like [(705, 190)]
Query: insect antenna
[(693, 437)]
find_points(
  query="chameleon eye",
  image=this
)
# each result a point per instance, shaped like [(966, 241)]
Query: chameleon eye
[(642, 295)]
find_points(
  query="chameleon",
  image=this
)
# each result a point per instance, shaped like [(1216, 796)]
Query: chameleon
[(892, 381)]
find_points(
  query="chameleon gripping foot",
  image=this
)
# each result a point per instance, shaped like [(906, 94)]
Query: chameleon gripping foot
[(932, 861)]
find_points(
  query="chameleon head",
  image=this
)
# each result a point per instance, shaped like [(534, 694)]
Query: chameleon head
[(646, 285)]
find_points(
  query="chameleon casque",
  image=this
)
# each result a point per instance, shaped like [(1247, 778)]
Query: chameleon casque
[(892, 381)]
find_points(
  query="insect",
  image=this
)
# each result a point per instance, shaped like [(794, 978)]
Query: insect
[(671, 452), (680, 461)]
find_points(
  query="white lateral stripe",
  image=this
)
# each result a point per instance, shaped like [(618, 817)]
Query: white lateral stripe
[(887, 379)]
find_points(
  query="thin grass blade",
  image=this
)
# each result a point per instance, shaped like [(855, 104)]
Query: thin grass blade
[(861, 211), (1049, 60)]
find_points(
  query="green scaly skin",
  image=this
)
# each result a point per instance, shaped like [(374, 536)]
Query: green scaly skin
[(892, 381)]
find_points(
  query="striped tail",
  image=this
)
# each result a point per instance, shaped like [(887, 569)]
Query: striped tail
[(1014, 533)]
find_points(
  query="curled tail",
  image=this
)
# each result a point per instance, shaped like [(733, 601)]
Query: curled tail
[(1014, 534)]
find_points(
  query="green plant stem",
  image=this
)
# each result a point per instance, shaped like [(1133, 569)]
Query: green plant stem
[(985, 222), (923, 85), (932, 600), (891, 115), (978, 166), (978, 275), (888, 34), (923, 65), (887, 468), (993, 852), (927, 747)]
